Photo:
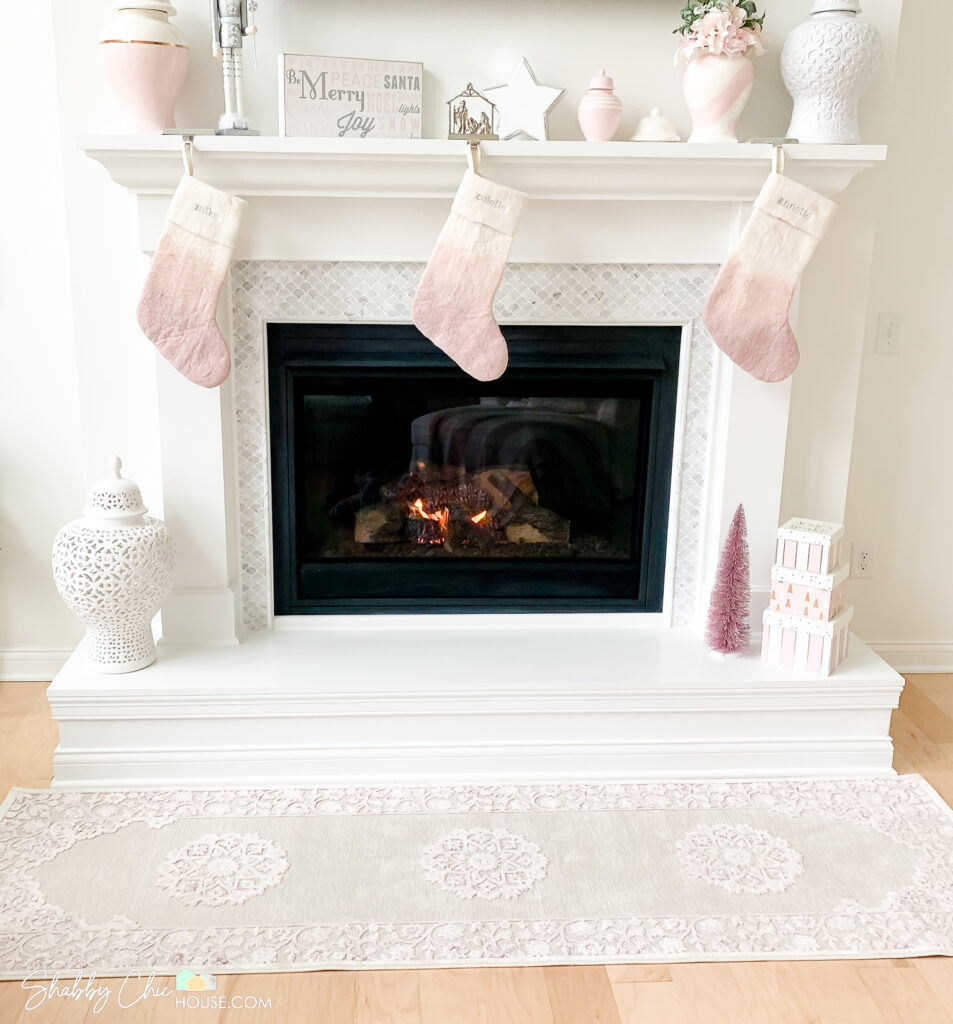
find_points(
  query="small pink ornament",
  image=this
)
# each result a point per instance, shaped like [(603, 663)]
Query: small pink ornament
[(600, 111)]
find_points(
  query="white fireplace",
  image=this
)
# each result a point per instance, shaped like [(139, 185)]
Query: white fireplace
[(338, 233)]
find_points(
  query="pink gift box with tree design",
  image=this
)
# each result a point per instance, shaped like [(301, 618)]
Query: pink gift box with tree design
[(812, 595)]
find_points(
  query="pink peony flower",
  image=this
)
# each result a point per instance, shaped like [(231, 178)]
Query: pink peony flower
[(721, 32)]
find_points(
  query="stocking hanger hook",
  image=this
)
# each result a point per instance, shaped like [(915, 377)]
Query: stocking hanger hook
[(188, 154), (777, 155), (777, 161), (473, 156)]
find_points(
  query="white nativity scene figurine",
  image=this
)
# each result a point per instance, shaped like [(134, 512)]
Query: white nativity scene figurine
[(472, 116), (232, 20)]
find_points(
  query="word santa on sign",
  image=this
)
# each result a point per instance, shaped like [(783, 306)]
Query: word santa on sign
[(322, 97)]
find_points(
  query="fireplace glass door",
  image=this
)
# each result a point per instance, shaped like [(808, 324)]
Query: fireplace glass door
[(400, 484)]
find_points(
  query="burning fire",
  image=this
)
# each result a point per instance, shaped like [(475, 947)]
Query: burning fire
[(442, 518)]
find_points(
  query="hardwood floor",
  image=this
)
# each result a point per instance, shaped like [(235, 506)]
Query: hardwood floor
[(918, 991)]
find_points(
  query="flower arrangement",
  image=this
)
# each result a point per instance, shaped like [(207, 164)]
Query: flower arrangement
[(728, 27)]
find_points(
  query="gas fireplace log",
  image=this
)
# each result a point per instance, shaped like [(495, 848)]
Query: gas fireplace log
[(379, 524), (534, 524)]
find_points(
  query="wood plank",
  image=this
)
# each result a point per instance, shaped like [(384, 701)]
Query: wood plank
[(912, 741), (387, 997), (581, 995), (904, 997), (153, 1009), (935, 723), (50, 1011), (711, 993), (652, 1003), (484, 995), (937, 972), (795, 992), (938, 688), (28, 736), (642, 974)]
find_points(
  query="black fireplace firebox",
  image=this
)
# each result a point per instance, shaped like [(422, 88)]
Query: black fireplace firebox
[(401, 485)]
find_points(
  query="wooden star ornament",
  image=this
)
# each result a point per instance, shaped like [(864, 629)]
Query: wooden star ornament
[(522, 104)]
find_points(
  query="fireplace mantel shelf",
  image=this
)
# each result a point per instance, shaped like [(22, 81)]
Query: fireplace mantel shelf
[(431, 168)]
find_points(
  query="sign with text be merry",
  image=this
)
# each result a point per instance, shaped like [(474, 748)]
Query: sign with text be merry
[(345, 97)]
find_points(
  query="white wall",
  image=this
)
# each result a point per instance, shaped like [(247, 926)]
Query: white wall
[(41, 480), (901, 485), (565, 41)]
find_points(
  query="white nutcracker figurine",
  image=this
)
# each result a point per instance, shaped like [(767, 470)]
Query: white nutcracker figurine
[(232, 20)]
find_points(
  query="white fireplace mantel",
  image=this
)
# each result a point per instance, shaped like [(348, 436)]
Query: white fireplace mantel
[(577, 698), (431, 168)]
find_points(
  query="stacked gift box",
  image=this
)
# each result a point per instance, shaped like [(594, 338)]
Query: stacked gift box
[(806, 624)]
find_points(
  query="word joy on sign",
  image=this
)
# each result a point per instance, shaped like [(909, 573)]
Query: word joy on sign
[(344, 97)]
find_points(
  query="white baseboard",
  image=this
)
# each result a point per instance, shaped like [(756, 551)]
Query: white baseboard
[(916, 657), (22, 665)]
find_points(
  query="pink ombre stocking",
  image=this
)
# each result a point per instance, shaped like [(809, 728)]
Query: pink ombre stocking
[(453, 306), (747, 311), (177, 306)]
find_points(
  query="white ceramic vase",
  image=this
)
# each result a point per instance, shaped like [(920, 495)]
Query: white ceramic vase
[(827, 63), (113, 568), (717, 88), (145, 58)]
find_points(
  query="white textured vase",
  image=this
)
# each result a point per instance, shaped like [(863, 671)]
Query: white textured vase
[(113, 568), (827, 63), (717, 89)]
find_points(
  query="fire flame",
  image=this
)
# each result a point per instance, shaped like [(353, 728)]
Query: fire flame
[(441, 517)]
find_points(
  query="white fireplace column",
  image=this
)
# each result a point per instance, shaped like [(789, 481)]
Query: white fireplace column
[(202, 606), (196, 460)]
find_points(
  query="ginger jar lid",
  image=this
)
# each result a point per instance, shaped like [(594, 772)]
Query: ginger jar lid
[(834, 6), (146, 5), (602, 81), (115, 496), (145, 21), (656, 127)]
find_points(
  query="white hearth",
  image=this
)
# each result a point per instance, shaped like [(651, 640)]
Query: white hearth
[(338, 232)]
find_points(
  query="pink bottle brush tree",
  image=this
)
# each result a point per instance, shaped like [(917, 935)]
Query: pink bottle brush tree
[(729, 630)]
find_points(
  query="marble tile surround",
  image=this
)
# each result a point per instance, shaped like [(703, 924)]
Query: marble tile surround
[(275, 290)]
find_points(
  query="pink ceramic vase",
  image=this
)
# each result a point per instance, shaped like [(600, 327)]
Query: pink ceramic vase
[(145, 58), (600, 111), (717, 89)]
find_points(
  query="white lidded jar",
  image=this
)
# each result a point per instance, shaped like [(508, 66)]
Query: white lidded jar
[(600, 112), (827, 63), (113, 568), (145, 57)]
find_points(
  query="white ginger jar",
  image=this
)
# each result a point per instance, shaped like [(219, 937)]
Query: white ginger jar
[(827, 63), (113, 568)]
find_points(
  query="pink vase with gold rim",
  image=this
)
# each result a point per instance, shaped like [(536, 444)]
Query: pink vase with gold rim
[(717, 88), (145, 58)]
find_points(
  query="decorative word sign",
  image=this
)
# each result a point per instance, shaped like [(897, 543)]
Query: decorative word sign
[(349, 98)]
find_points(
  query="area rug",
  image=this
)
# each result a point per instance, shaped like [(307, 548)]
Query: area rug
[(296, 879)]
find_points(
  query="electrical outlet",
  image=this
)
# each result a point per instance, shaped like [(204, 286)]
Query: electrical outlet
[(888, 334), (862, 561)]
